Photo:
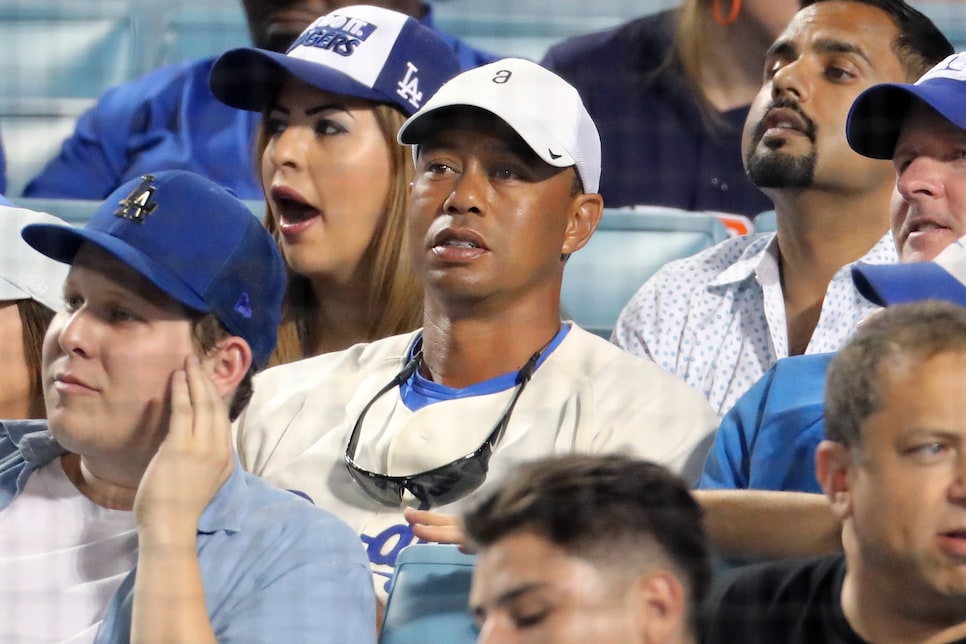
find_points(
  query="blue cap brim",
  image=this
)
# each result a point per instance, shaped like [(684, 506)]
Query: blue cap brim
[(249, 78), (61, 243), (878, 114), (889, 284)]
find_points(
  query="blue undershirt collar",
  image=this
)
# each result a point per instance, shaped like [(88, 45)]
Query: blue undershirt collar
[(417, 391)]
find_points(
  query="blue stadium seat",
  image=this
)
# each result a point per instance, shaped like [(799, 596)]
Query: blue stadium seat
[(626, 249), (191, 33), (32, 132), (950, 17), (74, 211), (62, 55), (428, 597), (766, 222), (66, 49)]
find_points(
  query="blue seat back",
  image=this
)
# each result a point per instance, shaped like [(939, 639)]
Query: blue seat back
[(428, 597), (626, 249), (32, 132), (62, 49), (191, 33), (766, 222), (74, 211), (950, 17)]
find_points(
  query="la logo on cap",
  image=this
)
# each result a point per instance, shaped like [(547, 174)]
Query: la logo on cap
[(953, 68), (409, 86), (140, 203)]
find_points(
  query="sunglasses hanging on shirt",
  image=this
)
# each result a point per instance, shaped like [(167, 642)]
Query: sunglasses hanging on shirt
[(440, 485)]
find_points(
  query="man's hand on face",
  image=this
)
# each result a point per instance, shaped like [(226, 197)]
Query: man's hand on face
[(192, 463)]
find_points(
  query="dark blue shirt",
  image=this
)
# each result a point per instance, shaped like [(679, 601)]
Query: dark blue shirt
[(658, 146), (275, 569)]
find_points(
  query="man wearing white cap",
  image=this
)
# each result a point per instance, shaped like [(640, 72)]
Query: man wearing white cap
[(504, 191)]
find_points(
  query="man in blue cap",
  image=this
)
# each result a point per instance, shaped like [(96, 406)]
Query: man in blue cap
[(170, 306)]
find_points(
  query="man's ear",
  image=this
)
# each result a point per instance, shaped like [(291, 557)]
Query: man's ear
[(833, 461), (661, 604), (228, 363), (585, 212)]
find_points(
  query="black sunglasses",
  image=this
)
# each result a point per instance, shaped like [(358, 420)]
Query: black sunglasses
[(443, 484)]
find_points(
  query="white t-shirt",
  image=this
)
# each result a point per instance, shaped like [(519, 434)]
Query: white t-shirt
[(587, 397), (62, 557)]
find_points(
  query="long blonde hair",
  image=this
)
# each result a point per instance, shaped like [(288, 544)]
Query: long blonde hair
[(395, 296), (34, 319), (692, 38)]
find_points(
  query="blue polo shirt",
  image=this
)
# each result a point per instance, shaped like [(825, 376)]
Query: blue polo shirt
[(275, 568), (769, 438)]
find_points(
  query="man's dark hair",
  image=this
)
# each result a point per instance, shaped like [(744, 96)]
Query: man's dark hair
[(206, 332), (920, 44), (907, 332), (607, 509)]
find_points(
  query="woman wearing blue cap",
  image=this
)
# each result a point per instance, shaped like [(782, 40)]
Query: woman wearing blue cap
[(335, 180)]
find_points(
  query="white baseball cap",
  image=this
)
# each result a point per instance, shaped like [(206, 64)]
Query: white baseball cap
[(544, 109), (26, 274)]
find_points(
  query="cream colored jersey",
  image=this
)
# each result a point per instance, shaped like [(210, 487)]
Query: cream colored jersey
[(588, 396)]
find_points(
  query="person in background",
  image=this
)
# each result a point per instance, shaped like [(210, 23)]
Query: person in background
[(892, 468), (31, 291), (670, 93), (768, 440), (3, 177), (170, 306), (589, 549), (504, 193), (721, 318), (168, 118), (335, 180)]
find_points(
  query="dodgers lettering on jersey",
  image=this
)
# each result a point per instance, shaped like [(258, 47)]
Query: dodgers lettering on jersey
[(383, 549)]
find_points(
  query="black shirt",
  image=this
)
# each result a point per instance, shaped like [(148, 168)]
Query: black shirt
[(657, 145), (785, 602)]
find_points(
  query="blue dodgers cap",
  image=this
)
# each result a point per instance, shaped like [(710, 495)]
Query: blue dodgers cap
[(362, 51), (192, 239), (944, 278), (878, 114)]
